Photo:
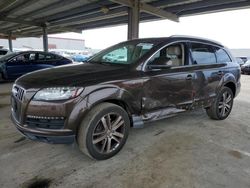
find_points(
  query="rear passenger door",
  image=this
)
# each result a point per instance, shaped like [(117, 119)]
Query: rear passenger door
[(208, 72), (41, 62)]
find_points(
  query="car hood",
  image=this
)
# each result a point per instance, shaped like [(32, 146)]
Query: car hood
[(72, 75)]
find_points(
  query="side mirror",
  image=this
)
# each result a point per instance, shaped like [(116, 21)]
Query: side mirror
[(160, 63)]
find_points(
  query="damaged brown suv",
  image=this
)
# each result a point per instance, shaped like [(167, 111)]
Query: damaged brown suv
[(126, 85)]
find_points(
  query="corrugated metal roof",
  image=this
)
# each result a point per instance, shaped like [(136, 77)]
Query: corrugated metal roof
[(25, 18)]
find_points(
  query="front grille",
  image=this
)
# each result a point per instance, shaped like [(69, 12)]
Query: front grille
[(45, 122), (16, 108), (16, 101), (18, 92)]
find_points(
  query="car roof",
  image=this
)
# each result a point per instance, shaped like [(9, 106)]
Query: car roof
[(179, 37), (33, 51)]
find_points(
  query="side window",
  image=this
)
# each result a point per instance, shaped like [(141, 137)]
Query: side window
[(18, 59), (57, 57), (222, 56), (118, 55), (41, 56), (126, 54), (50, 57), (203, 54), (32, 57), (172, 55)]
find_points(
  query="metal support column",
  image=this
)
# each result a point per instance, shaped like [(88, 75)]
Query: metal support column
[(45, 39), (133, 20), (10, 42)]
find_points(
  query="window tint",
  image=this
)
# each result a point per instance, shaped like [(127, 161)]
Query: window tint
[(41, 56), (20, 59), (32, 57), (172, 55), (222, 56), (57, 56), (203, 54), (49, 57)]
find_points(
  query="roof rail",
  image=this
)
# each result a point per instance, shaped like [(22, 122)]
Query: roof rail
[(194, 37)]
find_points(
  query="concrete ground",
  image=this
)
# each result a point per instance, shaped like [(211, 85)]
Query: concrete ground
[(189, 150)]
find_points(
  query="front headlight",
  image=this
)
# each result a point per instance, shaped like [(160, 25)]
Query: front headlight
[(58, 93)]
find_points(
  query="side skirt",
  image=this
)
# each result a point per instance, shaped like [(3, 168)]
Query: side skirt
[(138, 121)]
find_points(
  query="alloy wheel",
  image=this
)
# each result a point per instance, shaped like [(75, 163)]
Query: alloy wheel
[(225, 104), (108, 133)]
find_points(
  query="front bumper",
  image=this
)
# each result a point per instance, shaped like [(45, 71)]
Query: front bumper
[(60, 136)]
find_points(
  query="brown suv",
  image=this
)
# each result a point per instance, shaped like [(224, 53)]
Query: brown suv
[(124, 86)]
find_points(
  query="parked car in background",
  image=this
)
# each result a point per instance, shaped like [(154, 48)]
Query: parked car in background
[(244, 58), (245, 69), (239, 61), (97, 102), (17, 64), (80, 58), (4, 52)]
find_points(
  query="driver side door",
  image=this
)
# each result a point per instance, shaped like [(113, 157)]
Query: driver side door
[(171, 85)]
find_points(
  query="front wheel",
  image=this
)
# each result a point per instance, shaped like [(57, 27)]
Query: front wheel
[(222, 106), (104, 131)]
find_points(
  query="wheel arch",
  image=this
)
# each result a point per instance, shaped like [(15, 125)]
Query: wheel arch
[(229, 81), (115, 95), (112, 95), (232, 86)]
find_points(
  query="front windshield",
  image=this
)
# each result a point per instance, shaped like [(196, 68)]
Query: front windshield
[(125, 53), (248, 62), (8, 56)]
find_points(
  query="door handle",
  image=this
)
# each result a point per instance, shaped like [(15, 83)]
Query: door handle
[(189, 77), (219, 73)]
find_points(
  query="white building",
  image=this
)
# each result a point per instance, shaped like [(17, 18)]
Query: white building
[(33, 43), (240, 52)]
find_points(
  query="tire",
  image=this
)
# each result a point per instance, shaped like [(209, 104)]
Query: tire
[(222, 106), (99, 139)]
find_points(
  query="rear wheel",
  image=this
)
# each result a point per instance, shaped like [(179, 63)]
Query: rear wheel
[(222, 106), (104, 131)]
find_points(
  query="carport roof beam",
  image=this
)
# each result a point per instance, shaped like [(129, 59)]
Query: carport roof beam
[(144, 7), (133, 20), (16, 20)]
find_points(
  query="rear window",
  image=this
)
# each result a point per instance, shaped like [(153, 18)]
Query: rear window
[(203, 54), (222, 56)]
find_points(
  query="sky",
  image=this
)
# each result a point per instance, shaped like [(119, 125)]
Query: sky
[(231, 28)]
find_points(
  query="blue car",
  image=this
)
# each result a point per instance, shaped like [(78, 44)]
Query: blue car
[(80, 58), (17, 64)]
